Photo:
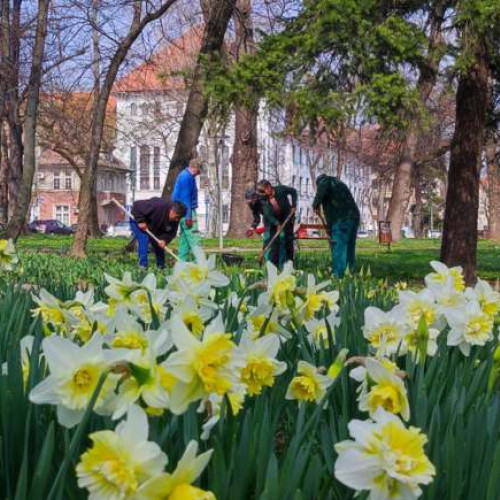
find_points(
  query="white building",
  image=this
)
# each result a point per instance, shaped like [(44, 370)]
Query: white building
[(150, 105)]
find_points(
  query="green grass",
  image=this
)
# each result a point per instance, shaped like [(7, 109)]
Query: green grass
[(407, 260)]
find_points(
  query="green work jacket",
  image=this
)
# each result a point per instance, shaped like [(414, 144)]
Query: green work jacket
[(282, 195), (336, 199)]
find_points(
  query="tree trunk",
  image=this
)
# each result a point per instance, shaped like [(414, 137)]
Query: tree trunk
[(418, 221), (245, 156), (86, 198), (197, 104), (493, 187), (401, 188), (459, 244), (4, 177), (16, 223)]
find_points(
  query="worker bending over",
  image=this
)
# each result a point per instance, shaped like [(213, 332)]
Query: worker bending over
[(162, 219), (342, 220)]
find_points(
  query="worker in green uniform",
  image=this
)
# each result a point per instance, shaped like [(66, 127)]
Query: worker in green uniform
[(279, 204), (342, 219)]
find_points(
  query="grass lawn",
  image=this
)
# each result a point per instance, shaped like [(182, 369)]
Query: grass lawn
[(408, 260)]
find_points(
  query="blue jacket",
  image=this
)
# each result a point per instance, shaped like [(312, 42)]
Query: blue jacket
[(186, 190)]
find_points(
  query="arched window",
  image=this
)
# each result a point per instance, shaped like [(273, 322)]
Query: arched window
[(133, 109)]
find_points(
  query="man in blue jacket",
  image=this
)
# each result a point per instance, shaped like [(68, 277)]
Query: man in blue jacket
[(186, 191)]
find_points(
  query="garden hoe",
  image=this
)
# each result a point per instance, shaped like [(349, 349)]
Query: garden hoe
[(148, 232), (278, 232)]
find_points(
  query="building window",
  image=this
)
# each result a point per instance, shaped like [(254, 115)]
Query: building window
[(68, 182), (144, 180), (133, 166), (180, 108), (307, 185), (144, 109), (225, 176), (156, 168), (296, 154), (157, 110), (62, 214), (133, 109), (225, 214), (300, 185), (294, 179), (57, 180)]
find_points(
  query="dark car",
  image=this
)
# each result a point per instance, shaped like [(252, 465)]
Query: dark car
[(50, 226)]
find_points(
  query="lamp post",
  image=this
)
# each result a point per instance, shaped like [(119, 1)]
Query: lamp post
[(219, 143)]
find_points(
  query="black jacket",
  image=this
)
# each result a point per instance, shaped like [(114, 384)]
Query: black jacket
[(154, 212)]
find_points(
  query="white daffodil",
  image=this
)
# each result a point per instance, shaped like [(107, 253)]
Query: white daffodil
[(74, 374), (202, 367), (418, 304), (202, 271), (309, 384), (413, 342), (263, 320), (488, 299), (386, 458), (316, 299), (384, 331), (120, 461), (261, 366), (192, 316), (318, 331), (444, 276), (144, 302), (178, 484), (55, 316), (8, 256), (384, 390), (281, 287), (470, 326), (121, 290)]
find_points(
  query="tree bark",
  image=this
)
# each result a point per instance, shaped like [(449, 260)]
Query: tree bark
[(491, 150), (88, 185), (197, 105), (401, 188), (18, 219), (4, 176), (459, 244), (245, 156)]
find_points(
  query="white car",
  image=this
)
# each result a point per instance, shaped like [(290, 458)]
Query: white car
[(121, 228), (435, 234)]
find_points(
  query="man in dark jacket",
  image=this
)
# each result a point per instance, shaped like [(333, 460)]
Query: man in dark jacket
[(342, 219), (279, 204), (162, 219)]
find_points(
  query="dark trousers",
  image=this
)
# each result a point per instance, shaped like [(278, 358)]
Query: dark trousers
[(344, 233), (281, 250), (143, 241)]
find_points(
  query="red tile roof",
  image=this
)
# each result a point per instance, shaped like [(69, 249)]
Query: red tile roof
[(166, 69)]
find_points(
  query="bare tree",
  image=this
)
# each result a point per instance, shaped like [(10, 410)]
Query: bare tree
[(21, 208), (245, 156), (142, 16), (218, 13)]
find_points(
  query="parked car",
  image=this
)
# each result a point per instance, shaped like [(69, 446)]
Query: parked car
[(49, 226), (363, 234), (121, 228)]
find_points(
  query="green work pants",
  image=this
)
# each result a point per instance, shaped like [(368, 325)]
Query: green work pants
[(189, 238)]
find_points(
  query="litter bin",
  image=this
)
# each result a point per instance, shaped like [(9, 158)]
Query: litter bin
[(384, 232)]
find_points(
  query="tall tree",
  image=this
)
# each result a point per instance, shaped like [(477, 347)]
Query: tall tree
[(245, 154), (428, 67), (16, 222), (493, 164), (142, 17), (459, 244), (217, 19)]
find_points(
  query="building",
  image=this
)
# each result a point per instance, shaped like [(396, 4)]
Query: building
[(57, 184), (150, 102)]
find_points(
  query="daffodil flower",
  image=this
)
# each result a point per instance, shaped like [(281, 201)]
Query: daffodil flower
[(318, 331), (53, 313), (317, 299), (120, 461), (444, 276), (488, 299), (386, 458), (8, 257), (384, 331), (309, 385), (470, 326), (202, 366), (178, 484), (261, 366), (74, 373), (281, 287)]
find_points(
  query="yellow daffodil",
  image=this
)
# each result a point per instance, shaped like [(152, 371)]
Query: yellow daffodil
[(384, 330), (488, 299), (120, 461), (178, 484), (317, 299), (281, 286), (444, 276), (309, 385), (261, 366), (386, 458), (8, 257)]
